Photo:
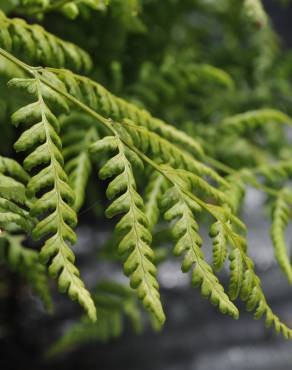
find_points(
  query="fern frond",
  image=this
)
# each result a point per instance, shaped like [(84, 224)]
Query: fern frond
[(13, 180), (12, 189), (236, 273), (177, 205), (250, 287), (133, 227), (217, 232), (13, 169), (26, 262), (173, 83), (101, 100), (153, 193), (149, 141), (251, 120), (235, 191), (36, 45), (77, 135), (281, 216), (277, 171), (205, 73), (54, 197)]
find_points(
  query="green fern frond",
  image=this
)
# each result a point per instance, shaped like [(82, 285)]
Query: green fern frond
[(149, 141), (206, 73), (153, 193), (177, 205), (12, 189), (251, 120), (54, 197), (13, 180), (277, 171), (77, 134), (36, 45), (236, 273), (235, 191), (101, 100), (281, 216), (133, 227), (250, 287), (173, 83), (26, 262), (13, 169), (11, 213), (217, 232)]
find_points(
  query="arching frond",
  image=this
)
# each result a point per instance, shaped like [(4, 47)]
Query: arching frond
[(77, 135), (133, 227), (36, 45), (177, 205), (49, 186), (153, 193), (243, 122)]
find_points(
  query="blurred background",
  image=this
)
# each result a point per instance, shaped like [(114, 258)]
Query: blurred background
[(195, 337)]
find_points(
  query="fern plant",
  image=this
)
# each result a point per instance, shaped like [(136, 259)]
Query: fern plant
[(68, 125)]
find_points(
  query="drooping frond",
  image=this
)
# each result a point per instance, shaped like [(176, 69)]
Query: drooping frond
[(276, 171), (236, 273), (133, 227), (25, 261), (281, 216), (36, 45), (251, 120), (77, 134), (235, 191), (217, 232), (177, 205), (49, 185), (115, 302), (245, 282), (153, 193)]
